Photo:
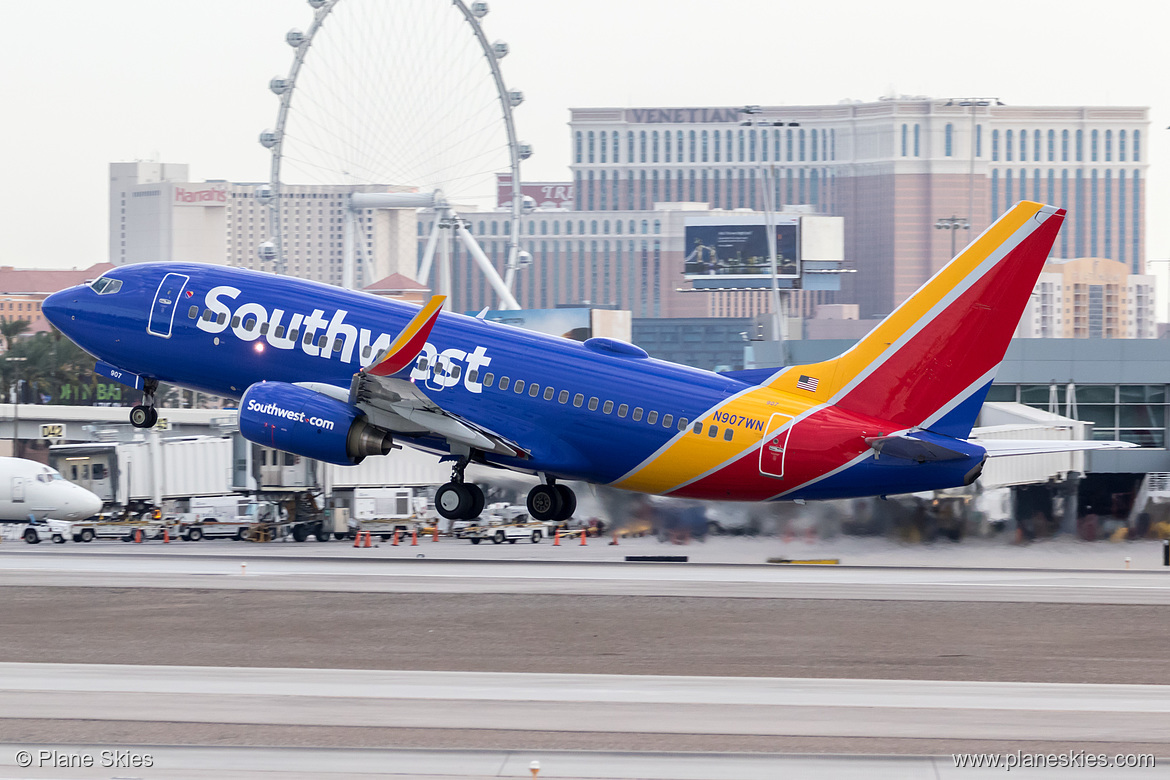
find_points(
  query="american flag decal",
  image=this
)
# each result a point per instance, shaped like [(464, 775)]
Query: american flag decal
[(807, 383)]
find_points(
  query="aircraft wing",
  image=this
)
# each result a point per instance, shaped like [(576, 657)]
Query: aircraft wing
[(997, 448), (398, 405)]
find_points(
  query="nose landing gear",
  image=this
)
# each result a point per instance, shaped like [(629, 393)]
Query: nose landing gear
[(144, 415)]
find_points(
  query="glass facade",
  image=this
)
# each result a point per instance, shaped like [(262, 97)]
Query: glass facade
[(1133, 413)]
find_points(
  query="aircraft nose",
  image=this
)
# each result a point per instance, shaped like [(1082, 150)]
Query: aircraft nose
[(88, 503), (55, 305)]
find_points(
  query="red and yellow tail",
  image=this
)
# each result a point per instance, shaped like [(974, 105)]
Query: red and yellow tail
[(930, 362)]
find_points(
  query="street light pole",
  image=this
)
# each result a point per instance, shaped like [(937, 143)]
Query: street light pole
[(952, 224), (974, 103)]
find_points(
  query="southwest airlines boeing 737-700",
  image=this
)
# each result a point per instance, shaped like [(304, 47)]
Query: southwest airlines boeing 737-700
[(338, 375)]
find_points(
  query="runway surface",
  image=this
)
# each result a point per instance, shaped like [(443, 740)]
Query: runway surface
[(274, 569), (464, 667), (596, 703), (253, 763)]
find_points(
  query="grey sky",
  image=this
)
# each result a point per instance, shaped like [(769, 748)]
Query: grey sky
[(89, 83)]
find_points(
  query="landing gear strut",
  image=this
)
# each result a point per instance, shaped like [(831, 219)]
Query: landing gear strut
[(551, 502), (145, 415), (459, 500)]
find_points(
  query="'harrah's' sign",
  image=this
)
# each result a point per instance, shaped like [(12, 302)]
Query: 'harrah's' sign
[(210, 197)]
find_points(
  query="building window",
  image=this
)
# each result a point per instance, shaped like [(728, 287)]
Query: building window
[(1051, 146), (653, 146), (1023, 146), (950, 140), (813, 140), (1093, 146), (978, 141), (994, 190), (995, 146), (1007, 148), (590, 146), (579, 151), (1080, 145), (1121, 146), (1036, 145), (917, 148), (666, 147), (801, 140), (604, 136), (1137, 145), (1108, 146), (905, 139), (704, 146), (718, 145)]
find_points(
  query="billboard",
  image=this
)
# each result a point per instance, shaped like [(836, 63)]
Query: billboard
[(544, 194), (730, 248)]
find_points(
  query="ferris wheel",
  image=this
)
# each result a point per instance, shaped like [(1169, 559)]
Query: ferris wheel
[(401, 105)]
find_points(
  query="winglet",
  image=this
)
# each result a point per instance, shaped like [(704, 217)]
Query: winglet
[(410, 341)]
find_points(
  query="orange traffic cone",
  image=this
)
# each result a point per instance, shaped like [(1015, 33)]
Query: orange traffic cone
[(166, 535), (615, 539), (435, 532), (557, 538), (370, 539), (138, 536), (414, 537), (584, 533), (395, 542), (357, 539)]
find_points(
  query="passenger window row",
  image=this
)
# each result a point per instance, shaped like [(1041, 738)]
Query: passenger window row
[(652, 417)]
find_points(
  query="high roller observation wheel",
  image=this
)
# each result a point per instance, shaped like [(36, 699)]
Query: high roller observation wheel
[(401, 93)]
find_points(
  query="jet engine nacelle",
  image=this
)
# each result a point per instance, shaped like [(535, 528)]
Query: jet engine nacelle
[(301, 421)]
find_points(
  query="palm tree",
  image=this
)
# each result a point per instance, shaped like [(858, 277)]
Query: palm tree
[(10, 329)]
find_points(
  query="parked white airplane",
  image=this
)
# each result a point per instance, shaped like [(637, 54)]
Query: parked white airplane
[(31, 489)]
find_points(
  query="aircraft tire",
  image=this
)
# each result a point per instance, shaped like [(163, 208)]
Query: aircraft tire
[(455, 500), (477, 502), (545, 503), (568, 502), (140, 416)]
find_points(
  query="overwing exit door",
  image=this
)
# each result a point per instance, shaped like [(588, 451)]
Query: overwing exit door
[(166, 300), (774, 445)]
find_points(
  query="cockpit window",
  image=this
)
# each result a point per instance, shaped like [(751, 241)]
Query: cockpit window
[(106, 286)]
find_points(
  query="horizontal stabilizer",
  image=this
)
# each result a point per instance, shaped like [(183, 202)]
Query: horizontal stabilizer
[(909, 448), (998, 448)]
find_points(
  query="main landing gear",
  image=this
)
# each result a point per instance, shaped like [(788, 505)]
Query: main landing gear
[(459, 500), (551, 502), (145, 415)]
